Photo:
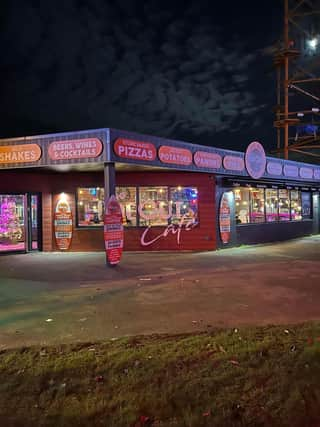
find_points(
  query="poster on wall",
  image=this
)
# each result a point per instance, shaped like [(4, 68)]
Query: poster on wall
[(63, 225), (225, 219), (113, 231)]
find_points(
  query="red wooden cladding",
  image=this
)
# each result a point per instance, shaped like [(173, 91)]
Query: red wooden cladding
[(202, 237)]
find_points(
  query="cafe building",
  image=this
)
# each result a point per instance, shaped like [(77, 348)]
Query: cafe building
[(173, 195)]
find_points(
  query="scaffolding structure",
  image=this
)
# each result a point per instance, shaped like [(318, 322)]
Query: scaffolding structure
[(297, 63)]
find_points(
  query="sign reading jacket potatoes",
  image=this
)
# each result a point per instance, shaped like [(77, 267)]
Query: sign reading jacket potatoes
[(22, 153)]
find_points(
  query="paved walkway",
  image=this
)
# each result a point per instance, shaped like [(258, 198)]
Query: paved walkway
[(54, 297)]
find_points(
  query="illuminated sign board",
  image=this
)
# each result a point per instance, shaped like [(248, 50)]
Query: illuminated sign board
[(203, 159), (22, 153), (75, 149), (174, 155), (136, 150)]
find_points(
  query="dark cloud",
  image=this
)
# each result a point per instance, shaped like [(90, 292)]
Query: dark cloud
[(170, 70)]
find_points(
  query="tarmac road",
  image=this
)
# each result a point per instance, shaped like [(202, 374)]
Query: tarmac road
[(66, 297)]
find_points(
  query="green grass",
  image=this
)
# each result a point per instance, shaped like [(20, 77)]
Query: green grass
[(267, 376)]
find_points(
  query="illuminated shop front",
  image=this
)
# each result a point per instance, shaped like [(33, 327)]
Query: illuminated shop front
[(173, 195)]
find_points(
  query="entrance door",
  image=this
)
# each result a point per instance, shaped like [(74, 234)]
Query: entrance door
[(316, 213), (34, 222), (19, 223)]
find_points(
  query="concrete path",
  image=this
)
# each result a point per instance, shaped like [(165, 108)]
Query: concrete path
[(55, 297)]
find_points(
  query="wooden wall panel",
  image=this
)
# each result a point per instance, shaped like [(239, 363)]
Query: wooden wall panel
[(50, 185)]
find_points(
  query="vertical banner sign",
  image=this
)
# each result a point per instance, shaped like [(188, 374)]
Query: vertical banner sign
[(63, 225), (224, 219), (113, 231)]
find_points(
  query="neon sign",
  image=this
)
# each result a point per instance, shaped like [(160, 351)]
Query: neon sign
[(163, 211), (170, 229)]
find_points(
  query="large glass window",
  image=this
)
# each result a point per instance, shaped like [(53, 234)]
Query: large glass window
[(158, 205), (284, 205), (295, 203), (154, 206), (90, 206), (242, 201), (271, 205), (183, 205), (257, 205), (127, 199)]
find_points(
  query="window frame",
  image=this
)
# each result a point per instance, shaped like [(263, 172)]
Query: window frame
[(278, 221), (138, 225), (84, 227)]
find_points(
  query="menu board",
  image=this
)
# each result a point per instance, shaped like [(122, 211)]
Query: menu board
[(63, 225), (113, 231), (225, 219)]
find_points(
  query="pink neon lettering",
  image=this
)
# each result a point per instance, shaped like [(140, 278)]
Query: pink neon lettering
[(171, 228)]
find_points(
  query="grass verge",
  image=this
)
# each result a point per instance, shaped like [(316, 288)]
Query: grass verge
[(265, 376)]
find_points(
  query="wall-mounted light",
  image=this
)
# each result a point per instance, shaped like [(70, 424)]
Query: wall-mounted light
[(63, 197)]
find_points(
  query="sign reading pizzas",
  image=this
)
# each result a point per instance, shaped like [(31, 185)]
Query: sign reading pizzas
[(113, 231), (63, 225), (225, 219), (137, 150)]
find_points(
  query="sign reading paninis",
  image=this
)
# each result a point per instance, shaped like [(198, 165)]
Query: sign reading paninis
[(137, 150), (203, 159), (75, 149)]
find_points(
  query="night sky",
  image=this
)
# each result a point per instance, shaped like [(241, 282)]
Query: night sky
[(194, 70)]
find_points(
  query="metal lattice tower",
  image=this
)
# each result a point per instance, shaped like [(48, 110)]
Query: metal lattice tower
[(297, 62)]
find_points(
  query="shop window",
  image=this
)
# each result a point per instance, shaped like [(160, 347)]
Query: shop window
[(284, 205), (257, 205), (153, 206), (272, 205), (158, 205), (295, 204), (90, 206), (306, 205), (127, 199), (183, 205), (242, 203)]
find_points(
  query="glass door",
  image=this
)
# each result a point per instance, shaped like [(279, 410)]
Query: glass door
[(12, 222), (20, 222), (34, 222)]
